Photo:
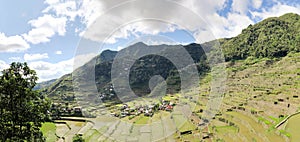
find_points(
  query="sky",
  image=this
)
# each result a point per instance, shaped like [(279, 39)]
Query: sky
[(49, 35)]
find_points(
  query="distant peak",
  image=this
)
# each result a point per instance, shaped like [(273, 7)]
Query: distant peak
[(108, 51), (139, 44)]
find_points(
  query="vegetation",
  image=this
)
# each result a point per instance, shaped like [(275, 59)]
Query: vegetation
[(263, 68), (22, 110), (78, 138), (273, 37), (49, 131)]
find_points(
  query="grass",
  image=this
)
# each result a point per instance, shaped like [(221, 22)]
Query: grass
[(283, 132), (226, 129), (266, 121), (187, 126), (256, 127), (49, 130), (91, 135), (179, 120), (170, 97), (292, 128), (142, 120)]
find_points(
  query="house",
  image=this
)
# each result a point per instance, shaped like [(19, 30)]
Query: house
[(169, 108), (77, 111)]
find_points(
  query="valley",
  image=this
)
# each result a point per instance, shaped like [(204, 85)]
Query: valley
[(260, 102)]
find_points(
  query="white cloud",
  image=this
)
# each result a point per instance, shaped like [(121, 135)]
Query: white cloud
[(17, 59), (211, 27), (156, 10), (120, 48), (218, 26), (277, 10), (3, 65), (80, 60), (64, 9), (240, 6), (90, 10), (12, 43), (58, 52), (257, 3), (47, 71), (235, 23), (32, 57), (44, 28), (51, 1)]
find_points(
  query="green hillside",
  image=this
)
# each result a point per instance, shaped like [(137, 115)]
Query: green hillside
[(262, 88), (273, 38)]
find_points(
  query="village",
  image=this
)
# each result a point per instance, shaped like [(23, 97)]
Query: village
[(124, 110), (166, 103)]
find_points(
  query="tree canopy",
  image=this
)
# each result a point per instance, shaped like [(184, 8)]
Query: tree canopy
[(273, 37), (22, 109)]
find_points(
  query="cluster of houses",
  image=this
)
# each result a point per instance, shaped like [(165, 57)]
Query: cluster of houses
[(147, 110), (108, 93), (58, 110)]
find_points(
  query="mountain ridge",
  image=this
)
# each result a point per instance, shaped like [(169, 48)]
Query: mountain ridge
[(273, 37)]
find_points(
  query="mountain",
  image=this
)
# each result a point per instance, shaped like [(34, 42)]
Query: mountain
[(98, 71), (44, 84), (274, 37)]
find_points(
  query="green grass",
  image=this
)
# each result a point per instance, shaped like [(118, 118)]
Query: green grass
[(142, 120), (170, 97), (285, 133), (179, 120), (187, 126), (91, 135), (258, 128), (49, 130), (292, 128), (226, 129), (267, 122)]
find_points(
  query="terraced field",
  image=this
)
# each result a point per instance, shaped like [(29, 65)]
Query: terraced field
[(259, 95), (293, 127)]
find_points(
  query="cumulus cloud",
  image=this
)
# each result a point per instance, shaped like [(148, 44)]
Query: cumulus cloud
[(65, 9), (80, 60), (257, 3), (240, 6), (44, 28), (3, 65), (32, 57), (47, 70), (150, 17), (114, 16), (16, 59), (58, 52), (277, 10), (12, 43)]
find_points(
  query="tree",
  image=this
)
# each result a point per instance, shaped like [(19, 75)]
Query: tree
[(22, 109), (78, 138)]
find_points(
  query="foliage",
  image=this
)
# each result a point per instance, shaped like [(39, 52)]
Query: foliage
[(22, 110), (273, 37), (78, 138)]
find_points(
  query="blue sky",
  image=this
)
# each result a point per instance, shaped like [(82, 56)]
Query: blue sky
[(50, 34)]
